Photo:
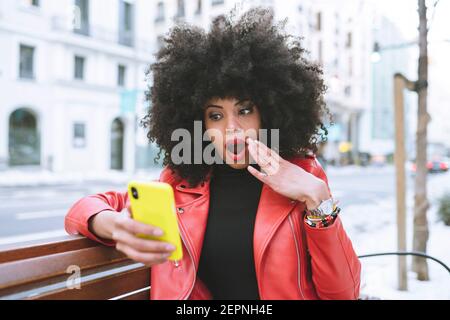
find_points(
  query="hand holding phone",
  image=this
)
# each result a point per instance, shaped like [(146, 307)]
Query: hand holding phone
[(153, 203)]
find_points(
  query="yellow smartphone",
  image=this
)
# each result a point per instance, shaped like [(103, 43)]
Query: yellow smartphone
[(154, 203)]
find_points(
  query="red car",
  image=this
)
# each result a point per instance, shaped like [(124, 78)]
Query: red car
[(433, 166)]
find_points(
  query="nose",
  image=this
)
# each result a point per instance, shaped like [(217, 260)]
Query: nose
[(233, 125)]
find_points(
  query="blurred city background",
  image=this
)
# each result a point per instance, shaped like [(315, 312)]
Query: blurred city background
[(72, 86)]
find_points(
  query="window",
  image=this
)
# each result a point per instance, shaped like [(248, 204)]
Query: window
[(199, 7), (350, 66), (34, 3), (160, 12), (349, 40), (26, 65), (79, 68), (121, 72), (216, 2), (24, 143), (126, 22), (320, 52), (319, 21), (180, 8), (348, 91), (79, 135), (81, 23)]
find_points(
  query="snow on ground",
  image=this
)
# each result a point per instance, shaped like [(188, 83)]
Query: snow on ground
[(372, 229)]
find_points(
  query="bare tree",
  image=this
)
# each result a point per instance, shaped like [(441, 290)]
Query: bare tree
[(421, 204)]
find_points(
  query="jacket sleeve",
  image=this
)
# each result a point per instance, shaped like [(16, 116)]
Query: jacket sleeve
[(77, 218), (336, 269)]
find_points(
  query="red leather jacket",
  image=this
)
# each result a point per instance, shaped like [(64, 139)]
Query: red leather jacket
[(292, 260)]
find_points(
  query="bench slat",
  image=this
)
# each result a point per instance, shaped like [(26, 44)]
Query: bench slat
[(26, 251), (104, 288), (38, 268)]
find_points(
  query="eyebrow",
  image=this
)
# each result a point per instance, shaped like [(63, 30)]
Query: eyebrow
[(236, 104)]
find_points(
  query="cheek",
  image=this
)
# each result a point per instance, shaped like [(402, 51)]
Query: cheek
[(216, 133)]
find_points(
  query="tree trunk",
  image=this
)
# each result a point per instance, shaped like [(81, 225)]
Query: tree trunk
[(421, 206)]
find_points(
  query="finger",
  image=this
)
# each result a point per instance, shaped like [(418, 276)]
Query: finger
[(266, 158), (259, 175), (143, 245), (267, 151), (270, 157), (136, 227), (146, 258), (261, 161), (268, 164)]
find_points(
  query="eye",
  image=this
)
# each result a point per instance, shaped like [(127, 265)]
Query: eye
[(246, 110), (215, 116)]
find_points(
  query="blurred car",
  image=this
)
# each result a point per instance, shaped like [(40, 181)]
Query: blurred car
[(433, 166), (378, 160)]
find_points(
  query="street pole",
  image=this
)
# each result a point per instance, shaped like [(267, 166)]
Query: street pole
[(400, 84)]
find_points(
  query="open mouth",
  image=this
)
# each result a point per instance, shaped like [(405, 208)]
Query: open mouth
[(235, 148)]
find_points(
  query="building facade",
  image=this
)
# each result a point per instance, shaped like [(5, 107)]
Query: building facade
[(72, 74), (72, 78), (391, 54)]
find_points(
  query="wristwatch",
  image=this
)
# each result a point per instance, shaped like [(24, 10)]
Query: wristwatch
[(325, 209)]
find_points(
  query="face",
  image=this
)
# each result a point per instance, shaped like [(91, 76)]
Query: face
[(229, 122)]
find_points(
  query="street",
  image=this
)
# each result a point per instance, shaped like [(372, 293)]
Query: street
[(33, 213)]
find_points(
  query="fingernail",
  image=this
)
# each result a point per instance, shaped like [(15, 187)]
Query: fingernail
[(158, 232), (170, 247)]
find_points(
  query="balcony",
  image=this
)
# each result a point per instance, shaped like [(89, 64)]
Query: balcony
[(97, 33), (126, 38), (82, 29)]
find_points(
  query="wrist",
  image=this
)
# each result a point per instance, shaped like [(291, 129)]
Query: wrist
[(318, 194), (102, 224)]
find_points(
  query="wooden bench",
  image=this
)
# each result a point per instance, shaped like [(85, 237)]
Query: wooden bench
[(48, 270)]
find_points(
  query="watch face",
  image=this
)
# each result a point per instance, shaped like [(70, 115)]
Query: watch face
[(327, 207)]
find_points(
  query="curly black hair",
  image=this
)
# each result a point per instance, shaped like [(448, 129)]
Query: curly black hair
[(249, 57)]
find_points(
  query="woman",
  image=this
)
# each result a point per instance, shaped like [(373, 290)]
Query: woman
[(263, 231)]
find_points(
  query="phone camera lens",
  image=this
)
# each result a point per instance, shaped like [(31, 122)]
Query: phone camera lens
[(134, 193)]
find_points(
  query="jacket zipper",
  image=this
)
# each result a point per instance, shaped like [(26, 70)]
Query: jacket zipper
[(298, 257), (193, 264)]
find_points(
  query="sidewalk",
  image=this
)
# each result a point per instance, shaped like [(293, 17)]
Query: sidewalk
[(40, 177), (345, 170)]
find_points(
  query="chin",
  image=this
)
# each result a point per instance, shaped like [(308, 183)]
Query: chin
[(238, 165)]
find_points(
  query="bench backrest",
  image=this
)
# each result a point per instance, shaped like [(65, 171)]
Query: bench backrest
[(71, 268)]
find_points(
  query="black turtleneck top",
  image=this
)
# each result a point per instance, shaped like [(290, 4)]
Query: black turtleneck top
[(227, 266)]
